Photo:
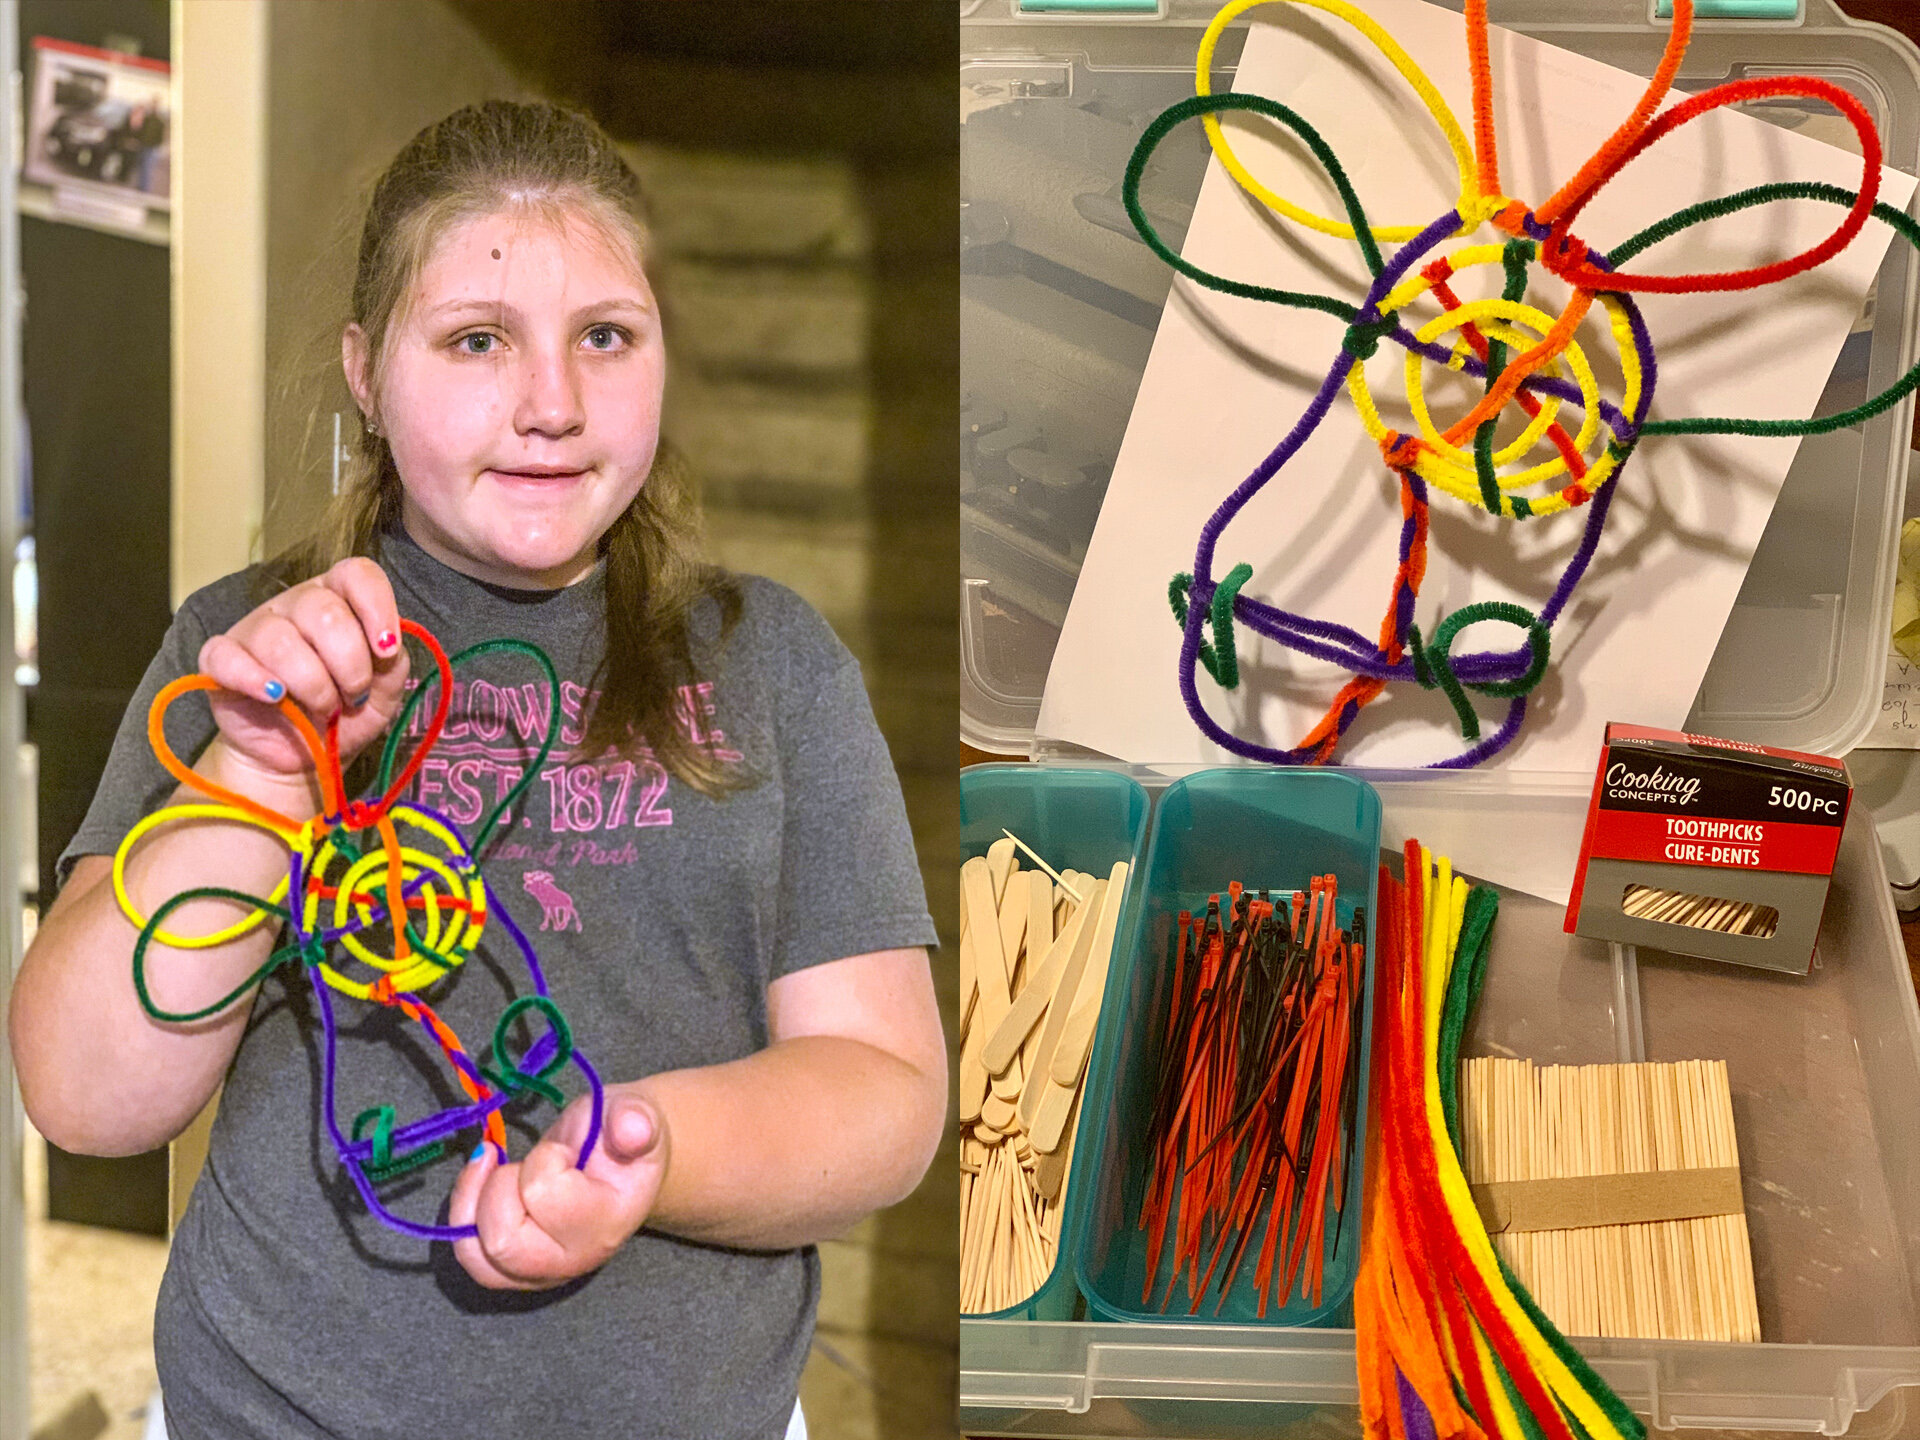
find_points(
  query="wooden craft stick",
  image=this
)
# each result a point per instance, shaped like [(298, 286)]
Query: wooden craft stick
[(1743, 1251), (1040, 929), (1064, 903), (1076, 1039), (1013, 925), (1056, 1019), (1028, 951), (1050, 1115), (1001, 862), (987, 1235), (976, 882), (1051, 1167), (1042, 984), (1033, 1033), (973, 1248), (1007, 1081), (969, 980), (1008, 1084), (1033, 1267), (999, 1113), (1678, 1279), (1058, 1099), (973, 1079), (980, 943)]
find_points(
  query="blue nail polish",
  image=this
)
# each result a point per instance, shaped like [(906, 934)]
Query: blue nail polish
[(275, 690), (362, 698), (479, 1151)]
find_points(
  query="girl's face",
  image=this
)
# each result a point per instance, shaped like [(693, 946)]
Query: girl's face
[(521, 397)]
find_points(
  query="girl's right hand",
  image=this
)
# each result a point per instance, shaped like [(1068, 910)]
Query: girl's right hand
[(331, 644)]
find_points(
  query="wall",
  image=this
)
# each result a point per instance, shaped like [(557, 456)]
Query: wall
[(218, 288), (348, 86)]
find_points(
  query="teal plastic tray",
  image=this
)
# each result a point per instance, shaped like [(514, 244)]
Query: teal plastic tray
[(1079, 820), (1273, 829)]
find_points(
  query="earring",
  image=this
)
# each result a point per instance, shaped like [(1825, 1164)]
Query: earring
[(372, 429)]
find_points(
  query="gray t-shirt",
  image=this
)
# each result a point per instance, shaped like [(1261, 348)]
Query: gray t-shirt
[(659, 917)]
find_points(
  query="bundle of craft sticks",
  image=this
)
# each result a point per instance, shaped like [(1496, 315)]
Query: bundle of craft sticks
[(1034, 954), (1702, 912), (1664, 1133)]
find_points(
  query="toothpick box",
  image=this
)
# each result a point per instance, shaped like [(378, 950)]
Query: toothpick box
[(1721, 818)]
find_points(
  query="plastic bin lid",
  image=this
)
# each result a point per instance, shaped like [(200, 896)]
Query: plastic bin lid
[(1060, 301)]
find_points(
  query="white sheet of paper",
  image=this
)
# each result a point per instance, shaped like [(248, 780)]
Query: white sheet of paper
[(1227, 378)]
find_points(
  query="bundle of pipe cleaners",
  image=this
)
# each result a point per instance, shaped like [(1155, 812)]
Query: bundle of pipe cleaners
[(1448, 1343), (404, 911), (1523, 355), (1258, 1089)]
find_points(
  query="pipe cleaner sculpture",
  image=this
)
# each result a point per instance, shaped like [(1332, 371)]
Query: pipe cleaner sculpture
[(1449, 1345), (339, 890), (1524, 356)]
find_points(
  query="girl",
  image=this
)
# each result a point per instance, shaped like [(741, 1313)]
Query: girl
[(715, 867)]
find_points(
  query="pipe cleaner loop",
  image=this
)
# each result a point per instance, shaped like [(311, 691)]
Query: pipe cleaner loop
[(1433, 663), (382, 1165), (1177, 597), (1401, 452), (410, 912), (1363, 338), (1565, 255), (514, 1078), (1356, 226), (382, 1117), (1516, 219), (1221, 658)]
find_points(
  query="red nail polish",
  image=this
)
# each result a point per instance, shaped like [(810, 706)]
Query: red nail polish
[(386, 642)]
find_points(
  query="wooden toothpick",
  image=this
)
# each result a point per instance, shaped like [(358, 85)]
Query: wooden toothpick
[(1034, 856)]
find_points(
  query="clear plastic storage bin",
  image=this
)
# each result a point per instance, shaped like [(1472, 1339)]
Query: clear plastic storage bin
[(1059, 306), (1825, 1073), (1059, 301), (1082, 820)]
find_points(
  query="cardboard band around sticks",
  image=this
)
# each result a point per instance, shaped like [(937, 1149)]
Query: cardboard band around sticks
[(1581, 1202)]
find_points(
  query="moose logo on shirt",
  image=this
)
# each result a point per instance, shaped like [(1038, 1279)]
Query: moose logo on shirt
[(556, 906)]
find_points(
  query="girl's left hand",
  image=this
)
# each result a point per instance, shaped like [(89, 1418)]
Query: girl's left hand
[(541, 1221)]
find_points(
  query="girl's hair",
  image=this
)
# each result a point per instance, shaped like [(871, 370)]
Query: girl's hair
[(558, 165)]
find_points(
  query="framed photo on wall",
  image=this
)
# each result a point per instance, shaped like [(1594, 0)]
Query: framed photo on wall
[(100, 123)]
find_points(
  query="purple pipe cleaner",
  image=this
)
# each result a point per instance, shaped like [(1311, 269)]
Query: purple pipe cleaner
[(354, 1154), (1414, 1415), (1348, 648)]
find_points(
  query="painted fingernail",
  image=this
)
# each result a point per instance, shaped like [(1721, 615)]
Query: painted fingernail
[(275, 689), (361, 698), (479, 1152), (386, 642)]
